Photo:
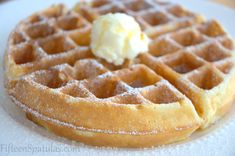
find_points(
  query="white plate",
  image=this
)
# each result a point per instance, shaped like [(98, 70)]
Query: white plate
[(21, 137)]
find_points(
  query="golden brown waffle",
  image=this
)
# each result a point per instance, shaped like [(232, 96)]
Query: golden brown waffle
[(199, 62), (88, 103), (155, 17), (87, 99), (41, 41)]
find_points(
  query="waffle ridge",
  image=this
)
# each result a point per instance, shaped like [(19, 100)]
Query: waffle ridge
[(159, 97)]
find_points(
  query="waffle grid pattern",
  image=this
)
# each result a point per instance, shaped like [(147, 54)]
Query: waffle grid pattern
[(45, 36), (57, 35), (90, 79), (43, 39), (194, 48), (195, 60), (194, 55), (154, 17)]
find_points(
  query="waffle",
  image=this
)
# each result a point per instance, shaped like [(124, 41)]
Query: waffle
[(198, 61), (182, 84)]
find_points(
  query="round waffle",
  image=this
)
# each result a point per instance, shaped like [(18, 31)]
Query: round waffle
[(184, 82)]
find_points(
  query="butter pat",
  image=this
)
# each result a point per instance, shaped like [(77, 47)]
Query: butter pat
[(116, 37)]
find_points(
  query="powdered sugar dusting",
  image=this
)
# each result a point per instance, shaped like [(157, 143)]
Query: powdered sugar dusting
[(55, 121)]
